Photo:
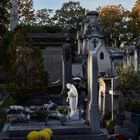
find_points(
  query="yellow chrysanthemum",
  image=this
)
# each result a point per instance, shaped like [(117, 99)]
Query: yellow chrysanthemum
[(43, 135), (33, 135), (49, 131)]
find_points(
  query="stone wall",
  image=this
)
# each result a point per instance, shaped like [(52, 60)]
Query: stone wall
[(53, 62)]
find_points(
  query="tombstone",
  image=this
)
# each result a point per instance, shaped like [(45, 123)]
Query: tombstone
[(93, 115), (114, 93), (13, 15)]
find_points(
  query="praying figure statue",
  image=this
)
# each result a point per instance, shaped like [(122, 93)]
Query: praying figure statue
[(72, 98)]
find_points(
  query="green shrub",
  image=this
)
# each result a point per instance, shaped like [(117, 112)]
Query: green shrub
[(109, 124), (135, 107), (41, 114)]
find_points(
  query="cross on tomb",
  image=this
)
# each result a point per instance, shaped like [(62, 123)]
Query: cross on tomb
[(94, 42)]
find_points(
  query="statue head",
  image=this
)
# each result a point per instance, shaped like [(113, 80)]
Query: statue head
[(68, 86), (72, 88)]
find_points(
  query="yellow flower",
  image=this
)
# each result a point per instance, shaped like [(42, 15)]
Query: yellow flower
[(49, 131), (43, 135), (33, 135)]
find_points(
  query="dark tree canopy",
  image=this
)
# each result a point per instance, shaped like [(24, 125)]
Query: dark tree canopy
[(70, 16), (112, 19), (26, 74), (43, 17), (4, 16), (136, 8), (26, 11)]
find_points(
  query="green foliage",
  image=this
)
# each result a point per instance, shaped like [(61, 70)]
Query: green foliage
[(109, 125), (135, 107), (41, 114), (25, 11), (113, 19), (128, 80), (4, 16), (136, 8), (43, 17), (70, 16), (63, 110), (4, 44), (27, 71), (41, 29)]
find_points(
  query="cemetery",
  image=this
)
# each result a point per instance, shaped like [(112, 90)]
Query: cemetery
[(69, 81)]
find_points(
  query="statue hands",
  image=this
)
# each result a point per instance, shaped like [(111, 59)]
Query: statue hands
[(67, 99)]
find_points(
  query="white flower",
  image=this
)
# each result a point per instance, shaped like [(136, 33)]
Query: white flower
[(12, 107), (46, 106), (28, 110), (16, 107)]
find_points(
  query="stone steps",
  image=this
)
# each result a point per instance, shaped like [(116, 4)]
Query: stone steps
[(68, 137)]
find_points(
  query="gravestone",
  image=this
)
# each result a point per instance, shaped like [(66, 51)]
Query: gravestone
[(13, 15), (93, 115)]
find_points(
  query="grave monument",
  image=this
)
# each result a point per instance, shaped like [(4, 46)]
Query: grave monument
[(73, 102), (13, 15)]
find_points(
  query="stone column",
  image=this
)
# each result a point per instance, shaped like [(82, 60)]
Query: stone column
[(13, 15), (100, 102), (104, 104), (93, 108)]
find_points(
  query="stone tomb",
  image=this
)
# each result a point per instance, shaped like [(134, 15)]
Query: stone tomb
[(75, 130), (56, 53)]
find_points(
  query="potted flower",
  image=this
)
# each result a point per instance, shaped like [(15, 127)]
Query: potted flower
[(45, 134), (41, 114)]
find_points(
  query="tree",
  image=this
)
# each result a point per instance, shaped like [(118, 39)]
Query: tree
[(4, 16), (135, 14), (43, 17), (128, 80), (136, 8), (26, 74), (70, 16), (113, 19), (26, 11)]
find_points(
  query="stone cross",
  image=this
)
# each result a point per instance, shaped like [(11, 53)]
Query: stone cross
[(13, 15), (94, 42), (93, 115)]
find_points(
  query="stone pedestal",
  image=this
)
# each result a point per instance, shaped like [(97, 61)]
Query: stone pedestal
[(13, 15)]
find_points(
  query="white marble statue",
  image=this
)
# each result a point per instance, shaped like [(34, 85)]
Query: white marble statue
[(72, 98)]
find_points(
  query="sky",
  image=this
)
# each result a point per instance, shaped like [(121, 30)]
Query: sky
[(89, 4)]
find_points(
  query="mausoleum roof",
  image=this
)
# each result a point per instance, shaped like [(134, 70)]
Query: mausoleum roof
[(115, 53), (93, 13), (49, 39)]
